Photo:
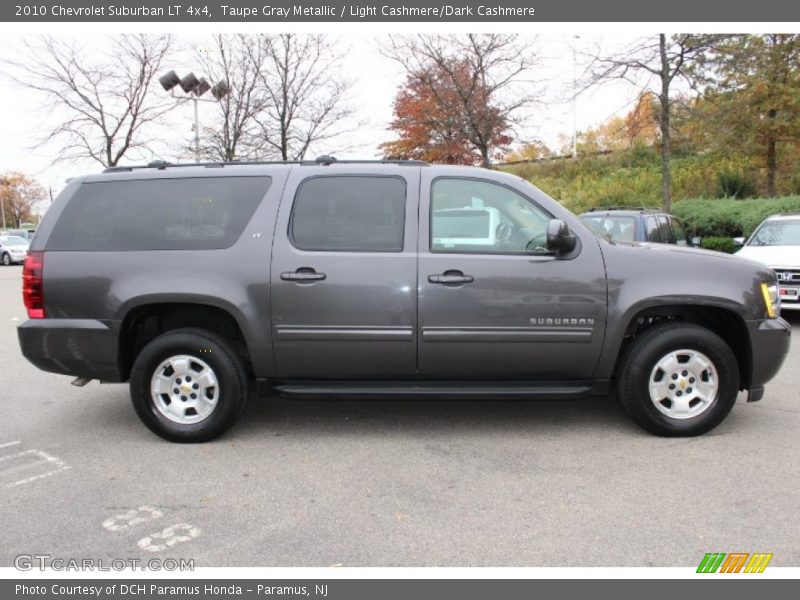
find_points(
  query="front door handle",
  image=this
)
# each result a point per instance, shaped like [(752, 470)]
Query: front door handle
[(303, 275), (451, 277)]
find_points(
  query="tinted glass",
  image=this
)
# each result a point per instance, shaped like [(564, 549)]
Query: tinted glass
[(158, 214), (478, 216), (666, 232), (651, 230), (612, 227), (357, 214), (678, 231)]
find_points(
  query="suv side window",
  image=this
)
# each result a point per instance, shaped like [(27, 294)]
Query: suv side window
[(477, 216), (652, 232), (666, 231), (349, 214), (678, 231), (194, 213)]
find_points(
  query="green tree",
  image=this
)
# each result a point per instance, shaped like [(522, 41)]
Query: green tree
[(753, 96)]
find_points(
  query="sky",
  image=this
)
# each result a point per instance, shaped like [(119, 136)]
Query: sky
[(23, 123)]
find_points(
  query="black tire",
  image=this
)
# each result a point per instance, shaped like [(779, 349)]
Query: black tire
[(641, 358), (6, 259), (218, 355)]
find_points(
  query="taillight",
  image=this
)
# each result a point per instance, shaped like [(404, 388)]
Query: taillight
[(33, 284)]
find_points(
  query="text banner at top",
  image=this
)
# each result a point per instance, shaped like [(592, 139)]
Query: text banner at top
[(475, 11)]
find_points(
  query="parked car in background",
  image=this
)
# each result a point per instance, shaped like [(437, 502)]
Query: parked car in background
[(13, 249), (635, 225), (776, 243)]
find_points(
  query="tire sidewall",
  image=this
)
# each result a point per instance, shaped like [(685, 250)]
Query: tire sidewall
[(642, 359), (206, 348)]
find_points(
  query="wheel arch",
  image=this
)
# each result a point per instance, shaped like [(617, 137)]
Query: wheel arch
[(145, 321), (721, 318)]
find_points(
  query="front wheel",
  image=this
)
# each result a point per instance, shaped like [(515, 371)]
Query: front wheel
[(678, 380), (188, 385), (6, 259)]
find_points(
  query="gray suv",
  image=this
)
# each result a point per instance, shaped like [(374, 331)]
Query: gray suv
[(197, 283)]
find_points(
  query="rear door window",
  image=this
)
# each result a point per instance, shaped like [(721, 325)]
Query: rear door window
[(652, 232), (349, 214), (666, 231), (200, 213)]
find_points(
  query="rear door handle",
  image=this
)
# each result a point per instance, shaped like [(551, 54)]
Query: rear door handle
[(451, 277), (303, 275)]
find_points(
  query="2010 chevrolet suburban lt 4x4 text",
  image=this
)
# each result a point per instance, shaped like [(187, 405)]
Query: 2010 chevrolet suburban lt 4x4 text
[(196, 282)]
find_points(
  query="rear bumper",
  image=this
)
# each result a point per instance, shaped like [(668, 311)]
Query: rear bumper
[(769, 342), (78, 347)]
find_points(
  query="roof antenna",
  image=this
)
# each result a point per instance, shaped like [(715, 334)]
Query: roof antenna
[(325, 160)]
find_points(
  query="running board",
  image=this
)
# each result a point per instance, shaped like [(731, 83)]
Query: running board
[(444, 390)]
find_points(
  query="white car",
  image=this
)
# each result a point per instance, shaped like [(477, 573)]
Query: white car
[(776, 243), (13, 249)]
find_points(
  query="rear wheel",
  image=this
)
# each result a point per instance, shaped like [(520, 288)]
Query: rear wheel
[(188, 385), (678, 380), (6, 259)]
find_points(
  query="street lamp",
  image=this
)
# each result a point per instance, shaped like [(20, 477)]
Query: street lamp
[(194, 88)]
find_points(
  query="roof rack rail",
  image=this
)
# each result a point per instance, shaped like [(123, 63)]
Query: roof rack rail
[(642, 208), (322, 160)]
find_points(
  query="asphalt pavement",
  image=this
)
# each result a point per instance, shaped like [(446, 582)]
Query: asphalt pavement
[(389, 483)]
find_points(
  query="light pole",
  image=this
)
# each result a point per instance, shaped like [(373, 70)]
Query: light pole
[(194, 88)]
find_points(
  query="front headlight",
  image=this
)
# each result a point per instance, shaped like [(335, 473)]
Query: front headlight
[(772, 299)]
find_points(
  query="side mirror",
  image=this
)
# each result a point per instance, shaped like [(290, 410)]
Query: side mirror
[(697, 242), (739, 241), (559, 238)]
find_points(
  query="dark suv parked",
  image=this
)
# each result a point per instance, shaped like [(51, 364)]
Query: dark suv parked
[(636, 225), (380, 279)]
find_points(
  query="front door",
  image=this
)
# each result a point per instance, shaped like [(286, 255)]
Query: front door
[(343, 275), (493, 303)]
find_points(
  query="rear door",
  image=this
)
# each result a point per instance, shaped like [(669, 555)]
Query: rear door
[(343, 274), (493, 305)]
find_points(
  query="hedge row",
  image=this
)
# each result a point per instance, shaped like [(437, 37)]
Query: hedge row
[(728, 218)]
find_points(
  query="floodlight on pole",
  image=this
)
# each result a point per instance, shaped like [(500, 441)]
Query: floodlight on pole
[(194, 89)]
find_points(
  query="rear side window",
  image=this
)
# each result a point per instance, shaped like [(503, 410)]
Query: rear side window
[(666, 231), (349, 213), (651, 230), (201, 213)]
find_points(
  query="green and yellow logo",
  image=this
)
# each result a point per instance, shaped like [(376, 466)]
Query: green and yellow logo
[(734, 562)]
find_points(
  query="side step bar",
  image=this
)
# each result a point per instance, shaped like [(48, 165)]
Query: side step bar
[(444, 390)]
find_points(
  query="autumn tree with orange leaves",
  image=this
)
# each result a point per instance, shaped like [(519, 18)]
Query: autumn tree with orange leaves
[(430, 126), (463, 95)]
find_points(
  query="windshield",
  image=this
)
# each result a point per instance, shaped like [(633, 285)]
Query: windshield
[(783, 232), (612, 228), (13, 240)]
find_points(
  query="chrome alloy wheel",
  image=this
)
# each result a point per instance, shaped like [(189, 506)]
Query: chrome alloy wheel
[(683, 384), (184, 389)]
